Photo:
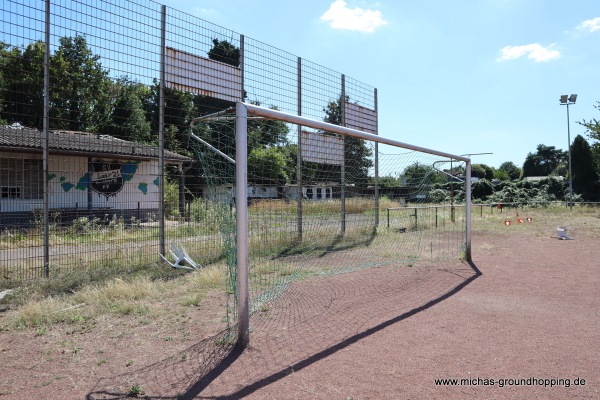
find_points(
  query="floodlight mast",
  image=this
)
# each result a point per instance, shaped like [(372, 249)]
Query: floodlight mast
[(566, 101)]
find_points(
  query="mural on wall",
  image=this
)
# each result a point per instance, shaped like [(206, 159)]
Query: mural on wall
[(106, 177)]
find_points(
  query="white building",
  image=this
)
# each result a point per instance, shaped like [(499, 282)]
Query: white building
[(88, 175)]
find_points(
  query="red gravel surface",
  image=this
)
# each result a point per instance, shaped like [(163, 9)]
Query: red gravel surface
[(520, 322)]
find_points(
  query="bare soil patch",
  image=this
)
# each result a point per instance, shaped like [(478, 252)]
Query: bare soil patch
[(384, 332)]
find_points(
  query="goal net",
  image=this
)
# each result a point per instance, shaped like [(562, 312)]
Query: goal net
[(297, 198)]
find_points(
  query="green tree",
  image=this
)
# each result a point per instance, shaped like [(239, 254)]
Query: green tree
[(4, 57), (511, 170), (593, 132), (501, 175), (22, 84), (585, 177), (544, 161), (225, 52), (418, 175), (356, 153), (389, 182), (79, 87), (482, 189), (267, 165), (482, 171), (128, 119)]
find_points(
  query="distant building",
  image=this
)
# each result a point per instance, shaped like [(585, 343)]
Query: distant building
[(88, 175), (541, 178)]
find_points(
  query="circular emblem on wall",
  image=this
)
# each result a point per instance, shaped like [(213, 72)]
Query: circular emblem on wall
[(106, 177)]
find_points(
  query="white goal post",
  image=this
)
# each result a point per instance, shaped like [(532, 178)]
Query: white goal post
[(241, 170)]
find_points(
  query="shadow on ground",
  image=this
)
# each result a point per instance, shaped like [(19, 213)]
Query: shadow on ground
[(313, 320)]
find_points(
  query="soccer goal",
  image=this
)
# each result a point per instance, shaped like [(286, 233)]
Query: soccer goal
[(299, 198)]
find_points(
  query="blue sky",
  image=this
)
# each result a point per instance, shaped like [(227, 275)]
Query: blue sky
[(470, 76)]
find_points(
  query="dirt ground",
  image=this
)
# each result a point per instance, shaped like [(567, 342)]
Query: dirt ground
[(520, 322)]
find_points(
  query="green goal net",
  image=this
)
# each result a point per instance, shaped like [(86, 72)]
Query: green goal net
[(314, 200)]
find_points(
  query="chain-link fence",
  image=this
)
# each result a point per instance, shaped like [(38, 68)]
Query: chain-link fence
[(96, 102)]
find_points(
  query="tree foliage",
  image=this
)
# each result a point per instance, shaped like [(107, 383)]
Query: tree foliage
[(417, 175), (593, 131), (22, 75), (585, 176), (544, 161), (128, 119), (79, 87), (356, 153), (225, 52), (482, 171), (511, 170)]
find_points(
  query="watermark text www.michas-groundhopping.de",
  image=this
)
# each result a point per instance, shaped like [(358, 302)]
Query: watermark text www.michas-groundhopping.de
[(511, 382)]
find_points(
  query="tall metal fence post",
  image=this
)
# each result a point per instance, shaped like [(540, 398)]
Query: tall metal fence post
[(468, 211), (46, 141), (161, 133), (343, 166), (299, 155), (376, 183)]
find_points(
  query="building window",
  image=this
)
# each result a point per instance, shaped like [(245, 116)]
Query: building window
[(11, 192), (21, 178)]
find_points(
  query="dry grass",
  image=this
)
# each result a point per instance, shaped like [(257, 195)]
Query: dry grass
[(354, 205), (118, 297), (141, 294), (544, 221)]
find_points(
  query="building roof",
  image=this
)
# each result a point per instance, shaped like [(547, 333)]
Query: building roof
[(18, 138)]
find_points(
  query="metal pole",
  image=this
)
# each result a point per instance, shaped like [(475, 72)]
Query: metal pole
[(376, 183), (299, 157), (241, 213), (343, 166), (451, 193), (316, 124), (242, 65), (46, 141), (468, 212), (161, 134), (570, 172)]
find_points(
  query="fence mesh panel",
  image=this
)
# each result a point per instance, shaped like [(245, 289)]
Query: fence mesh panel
[(125, 182)]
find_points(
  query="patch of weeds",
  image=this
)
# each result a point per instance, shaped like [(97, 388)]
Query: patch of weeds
[(76, 318), (192, 300), (40, 331), (51, 381), (129, 363), (168, 339), (117, 335), (101, 361), (135, 391), (226, 339)]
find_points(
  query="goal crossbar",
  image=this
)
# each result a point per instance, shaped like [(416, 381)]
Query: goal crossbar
[(241, 165)]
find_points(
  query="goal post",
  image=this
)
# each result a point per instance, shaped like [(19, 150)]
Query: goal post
[(243, 111)]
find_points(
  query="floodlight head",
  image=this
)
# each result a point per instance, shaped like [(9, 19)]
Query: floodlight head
[(563, 99), (572, 98)]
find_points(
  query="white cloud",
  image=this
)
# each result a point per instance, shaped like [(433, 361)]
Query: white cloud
[(205, 13), (533, 51), (591, 25), (340, 16)]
